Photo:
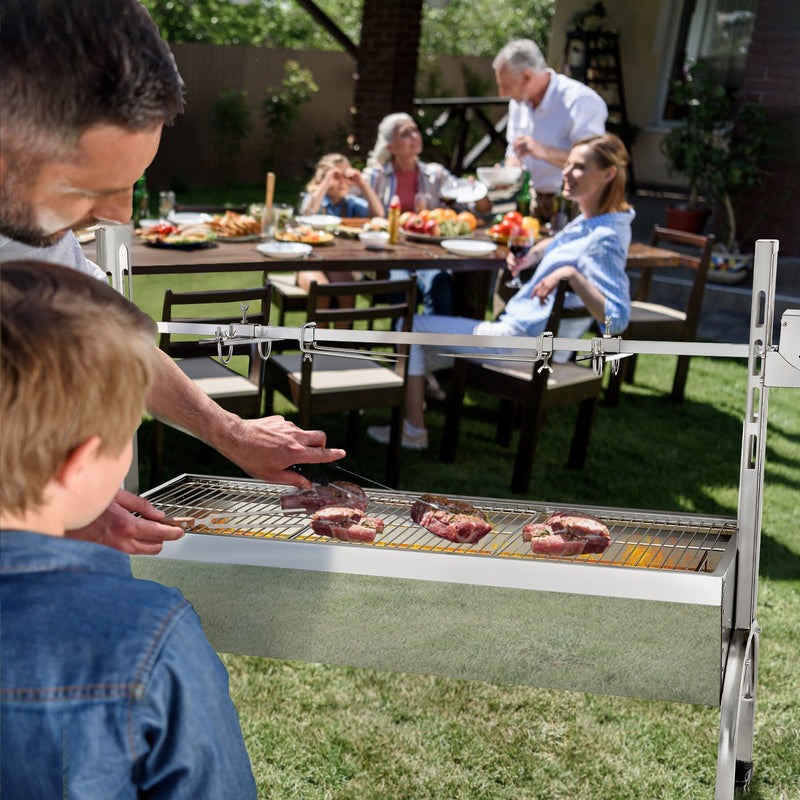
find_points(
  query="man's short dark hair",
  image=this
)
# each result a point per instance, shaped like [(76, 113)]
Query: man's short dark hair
[(66, 65)]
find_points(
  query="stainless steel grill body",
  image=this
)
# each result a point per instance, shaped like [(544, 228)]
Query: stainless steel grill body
[(650, 617), (668, 612)]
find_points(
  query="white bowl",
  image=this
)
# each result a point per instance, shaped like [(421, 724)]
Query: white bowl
[(374, 240), (319, 222), (284, 250), (495, 177), (469, 247), (463, 190), (189, 217)]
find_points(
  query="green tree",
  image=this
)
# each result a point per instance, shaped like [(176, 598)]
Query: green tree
[(282, 107), (232, 121), (462, 27)]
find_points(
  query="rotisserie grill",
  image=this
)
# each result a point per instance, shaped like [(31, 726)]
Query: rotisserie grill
[(666, 612)]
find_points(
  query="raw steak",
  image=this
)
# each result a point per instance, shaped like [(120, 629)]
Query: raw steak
[(347, 524), (459, 522), (567, 533), (330, 494)]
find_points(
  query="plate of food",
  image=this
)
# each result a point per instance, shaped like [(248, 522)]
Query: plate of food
[(305, 235), (469, 247), (179, 241), (233, 227), (287, 250), (414, 236), (182, 237)]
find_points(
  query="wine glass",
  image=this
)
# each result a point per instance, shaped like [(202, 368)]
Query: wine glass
[(519, 242), (448, 191)]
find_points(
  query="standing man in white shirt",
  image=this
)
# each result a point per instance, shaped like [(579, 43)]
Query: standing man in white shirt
[(85, 89), (547, 113)]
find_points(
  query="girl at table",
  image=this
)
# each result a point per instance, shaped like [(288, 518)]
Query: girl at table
[(590, 253), (330, 191)]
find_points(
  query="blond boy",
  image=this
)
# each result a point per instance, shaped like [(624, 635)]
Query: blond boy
[(108, 686)]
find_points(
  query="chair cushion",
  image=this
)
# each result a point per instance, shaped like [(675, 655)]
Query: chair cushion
[(562, 374), (215, 379), (285, 283), (654, 312), (333, 374)]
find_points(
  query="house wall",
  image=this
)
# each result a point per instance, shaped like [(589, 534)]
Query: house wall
[(644, 42), (772, 78)]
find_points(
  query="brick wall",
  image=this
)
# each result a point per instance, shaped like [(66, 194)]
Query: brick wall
[(773, 79)]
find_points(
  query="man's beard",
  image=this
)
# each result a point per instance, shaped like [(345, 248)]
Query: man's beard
[(18, 220)]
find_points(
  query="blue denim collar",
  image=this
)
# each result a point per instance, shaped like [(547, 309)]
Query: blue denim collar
[(26, 551)]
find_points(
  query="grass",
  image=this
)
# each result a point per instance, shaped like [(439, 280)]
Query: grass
[(320, 731)]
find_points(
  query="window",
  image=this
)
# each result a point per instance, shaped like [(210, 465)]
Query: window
[(717, 32)]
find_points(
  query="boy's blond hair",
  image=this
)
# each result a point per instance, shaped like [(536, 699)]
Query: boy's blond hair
[(76, 360)]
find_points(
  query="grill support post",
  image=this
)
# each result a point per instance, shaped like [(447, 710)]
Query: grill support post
[(114, 257), (737, 714)]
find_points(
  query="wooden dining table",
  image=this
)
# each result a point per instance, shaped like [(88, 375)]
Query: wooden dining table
[(473, 274)]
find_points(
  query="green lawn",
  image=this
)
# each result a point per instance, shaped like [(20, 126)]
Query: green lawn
[(319, 731)]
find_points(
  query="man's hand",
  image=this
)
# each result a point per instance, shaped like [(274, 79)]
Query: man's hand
[(266, 447), (525, 145), (118, 528)]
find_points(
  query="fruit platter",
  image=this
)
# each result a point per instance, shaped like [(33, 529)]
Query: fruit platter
[(437, 224)]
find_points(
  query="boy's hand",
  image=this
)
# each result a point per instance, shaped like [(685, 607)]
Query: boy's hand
[(117, 527)]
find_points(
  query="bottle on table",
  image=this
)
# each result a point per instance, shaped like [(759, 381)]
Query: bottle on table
[(141, 201), (394, 219), (524, 195)]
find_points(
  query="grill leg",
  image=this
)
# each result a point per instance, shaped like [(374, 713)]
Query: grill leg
[(737, 714)]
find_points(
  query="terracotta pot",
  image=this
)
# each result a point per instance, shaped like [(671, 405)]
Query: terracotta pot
[(691, 220)]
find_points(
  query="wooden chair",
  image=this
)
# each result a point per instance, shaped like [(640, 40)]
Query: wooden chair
[(243, 395), (286, 294), (521, 384), (327, 384), (658, 322)]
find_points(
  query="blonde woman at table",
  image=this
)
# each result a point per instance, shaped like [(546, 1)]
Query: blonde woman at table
[(590, 253), (71, 150), (394, 168)]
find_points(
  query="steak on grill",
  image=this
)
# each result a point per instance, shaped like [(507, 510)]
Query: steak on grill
[(346, 524), (567, 533), (451, 519), (331, 494)]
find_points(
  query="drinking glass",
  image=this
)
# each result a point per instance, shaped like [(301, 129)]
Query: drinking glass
[(166, 203), (448, 191), (519, 242)]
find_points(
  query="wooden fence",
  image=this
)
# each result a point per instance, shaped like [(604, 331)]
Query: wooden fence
[(190, 155)]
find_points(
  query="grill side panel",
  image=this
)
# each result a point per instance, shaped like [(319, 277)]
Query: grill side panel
[(641, 648)]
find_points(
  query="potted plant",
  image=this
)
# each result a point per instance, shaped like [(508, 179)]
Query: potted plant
[(717, 145)]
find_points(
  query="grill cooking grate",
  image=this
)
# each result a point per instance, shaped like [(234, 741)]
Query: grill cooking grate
[(232, 507)]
